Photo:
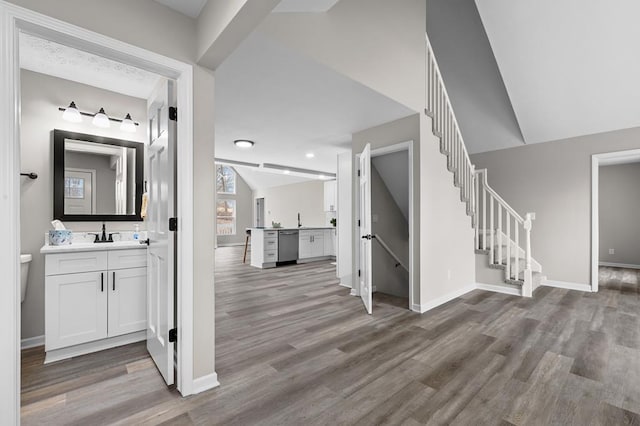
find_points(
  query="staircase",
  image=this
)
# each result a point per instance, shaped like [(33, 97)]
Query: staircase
[(501, 234)]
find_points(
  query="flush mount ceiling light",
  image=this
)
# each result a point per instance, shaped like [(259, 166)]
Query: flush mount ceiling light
[(243, 143), (310, 155), (286, 172), (101, 119), (128, 125), (72, 114)]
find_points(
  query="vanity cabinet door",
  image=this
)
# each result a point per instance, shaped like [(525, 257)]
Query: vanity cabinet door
[(127, 301), (76, 309)]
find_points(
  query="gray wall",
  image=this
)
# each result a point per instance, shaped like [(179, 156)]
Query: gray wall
[(619, 207), (244, 212), (470, 72), (41, 97), (389, 223), (553, 179), (105, 184)]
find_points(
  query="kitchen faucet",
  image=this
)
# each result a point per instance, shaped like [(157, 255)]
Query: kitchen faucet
[(299, 223)]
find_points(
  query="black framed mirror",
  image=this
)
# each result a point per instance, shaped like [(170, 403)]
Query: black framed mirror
[(96, 178)]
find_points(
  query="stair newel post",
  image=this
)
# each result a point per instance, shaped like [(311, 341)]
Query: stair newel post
[(492, 257), (499, 233), (508, 262), (527, 287), (517, 248)]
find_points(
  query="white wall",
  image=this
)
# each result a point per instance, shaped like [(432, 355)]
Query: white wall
[(283, 203), (447, 261), (619, 204), (553, 179), (344, 256), (41, 97), (378, 43)]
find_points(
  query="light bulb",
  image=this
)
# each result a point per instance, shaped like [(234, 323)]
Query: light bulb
[(72, 114), (128, 125), (101, 119)]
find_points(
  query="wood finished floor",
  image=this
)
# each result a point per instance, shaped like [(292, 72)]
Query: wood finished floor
[(293, 348)]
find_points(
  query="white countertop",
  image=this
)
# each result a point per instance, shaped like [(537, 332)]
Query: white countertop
[(304, 228), (83, 246)]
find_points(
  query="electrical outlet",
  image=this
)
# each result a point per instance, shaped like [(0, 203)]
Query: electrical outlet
[(612, 251)]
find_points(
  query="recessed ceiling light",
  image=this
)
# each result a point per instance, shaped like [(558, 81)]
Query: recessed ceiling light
[(243, 143), (321, 176), (286, 172), (310, 155)]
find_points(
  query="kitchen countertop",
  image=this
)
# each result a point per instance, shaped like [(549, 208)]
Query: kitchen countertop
[(304, 228)]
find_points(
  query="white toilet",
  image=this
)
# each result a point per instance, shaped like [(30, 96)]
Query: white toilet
[(25, 259)]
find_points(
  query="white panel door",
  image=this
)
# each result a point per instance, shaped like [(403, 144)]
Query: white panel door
[(76, 309), (127, 301), (364, 279), (79, 196), (161, 157)]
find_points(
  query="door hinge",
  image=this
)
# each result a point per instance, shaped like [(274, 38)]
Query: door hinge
[(359, 272), (173, 224), (173, 113), (173, 335), (358, 173), (358, 222)]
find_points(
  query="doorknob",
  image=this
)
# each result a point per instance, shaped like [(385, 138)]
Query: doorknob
[(367, 237), (145, 241)]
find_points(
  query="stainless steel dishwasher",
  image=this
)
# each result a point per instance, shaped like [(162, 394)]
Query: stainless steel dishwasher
[(288, 245)]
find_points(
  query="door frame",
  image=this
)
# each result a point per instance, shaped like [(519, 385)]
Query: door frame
[(14, 19), (598, 160), (376, 152)]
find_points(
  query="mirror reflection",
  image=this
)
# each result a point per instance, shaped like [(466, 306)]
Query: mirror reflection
[(99, 178)]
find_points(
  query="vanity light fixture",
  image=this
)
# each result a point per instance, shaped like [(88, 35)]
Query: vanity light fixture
[(72, 114), (244, 143), (128, 125), (101, 119)]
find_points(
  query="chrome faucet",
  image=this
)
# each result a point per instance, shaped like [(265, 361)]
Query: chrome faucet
[(299, 223)]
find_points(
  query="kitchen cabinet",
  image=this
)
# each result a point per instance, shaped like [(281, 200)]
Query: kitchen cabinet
[(330, 242), (264, 248), (330, 196), (311, 244), (94, 300)]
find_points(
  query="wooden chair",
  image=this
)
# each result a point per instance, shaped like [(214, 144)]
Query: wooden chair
[(246, 245)]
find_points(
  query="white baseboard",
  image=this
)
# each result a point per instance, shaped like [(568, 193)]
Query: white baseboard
[(499, 289), (442, 299), (345, 281), (232, 245), (98, 345), (205, 383), (567, 285), (32, 342), (353, 292), (619, 265)]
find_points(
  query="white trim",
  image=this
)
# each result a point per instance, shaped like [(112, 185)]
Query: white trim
[(354, 292), (384, 150), (32, 342), (597, 160), (443, 299), (98, 345), (567, 285), (205, 383), (12, 19), (499, 289), (619, 265)]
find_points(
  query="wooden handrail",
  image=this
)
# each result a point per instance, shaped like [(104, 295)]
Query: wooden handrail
[(388, 250)]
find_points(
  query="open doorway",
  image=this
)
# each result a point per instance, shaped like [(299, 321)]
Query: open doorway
[(385, 216), (615, 201)]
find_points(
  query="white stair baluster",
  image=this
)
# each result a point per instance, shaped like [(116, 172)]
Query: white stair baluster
[(492, 258), (508, 245)]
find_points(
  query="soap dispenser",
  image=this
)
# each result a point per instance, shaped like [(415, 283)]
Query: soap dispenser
[(136, 233)]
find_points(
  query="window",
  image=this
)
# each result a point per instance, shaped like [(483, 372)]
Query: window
[(225, 180), (226, 217), (73, 187)]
